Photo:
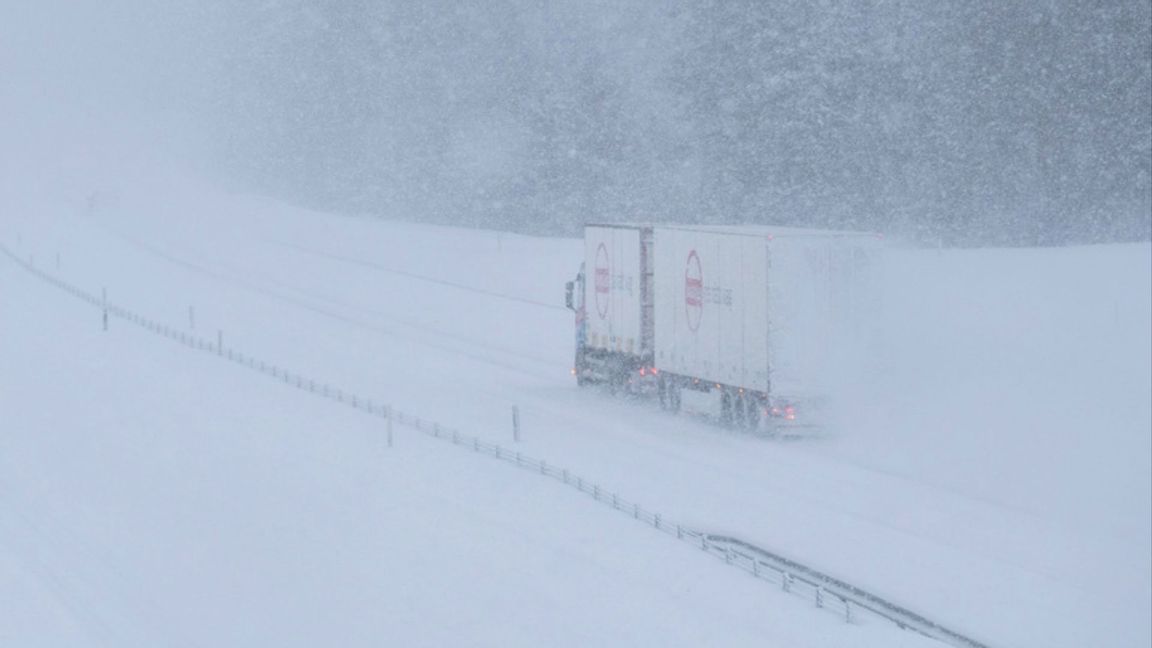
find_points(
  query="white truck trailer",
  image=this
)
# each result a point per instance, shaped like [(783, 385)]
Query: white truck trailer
[(613, 300), (762, 317)]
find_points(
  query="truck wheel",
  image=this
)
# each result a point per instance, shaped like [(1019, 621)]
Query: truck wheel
[(738, 410), (582, 380), (752, 415), (725, 406), (616, 381), (662, 392), (674, 395)]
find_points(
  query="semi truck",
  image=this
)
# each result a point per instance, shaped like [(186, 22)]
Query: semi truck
[(760, 318)]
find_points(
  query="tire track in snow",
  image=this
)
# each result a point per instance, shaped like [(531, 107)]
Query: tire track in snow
[(280, 292), (412, 275)]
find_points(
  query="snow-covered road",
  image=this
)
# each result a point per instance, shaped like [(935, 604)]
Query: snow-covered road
[(993, 474)]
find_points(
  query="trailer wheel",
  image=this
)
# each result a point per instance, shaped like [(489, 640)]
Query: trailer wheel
[(725, 406), (752, 414), (673, 395), (580, 366), (739, 405), (616, 380), (662, 392)]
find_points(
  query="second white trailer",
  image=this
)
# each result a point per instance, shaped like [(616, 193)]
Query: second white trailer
[(761, 315)]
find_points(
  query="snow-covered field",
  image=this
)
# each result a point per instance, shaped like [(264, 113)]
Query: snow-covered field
[(992, 471)]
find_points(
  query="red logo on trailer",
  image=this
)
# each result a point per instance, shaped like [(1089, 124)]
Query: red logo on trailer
[(602, 281), (693, 291)]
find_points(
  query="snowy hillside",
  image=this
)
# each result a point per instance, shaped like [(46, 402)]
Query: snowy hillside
[(991, 471)]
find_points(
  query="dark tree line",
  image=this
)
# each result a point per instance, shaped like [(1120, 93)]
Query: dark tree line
[(964, 121)]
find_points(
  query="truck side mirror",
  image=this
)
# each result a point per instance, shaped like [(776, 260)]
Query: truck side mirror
[(568, 295)]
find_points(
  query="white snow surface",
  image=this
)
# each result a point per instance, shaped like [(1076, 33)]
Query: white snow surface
[(991, 471)]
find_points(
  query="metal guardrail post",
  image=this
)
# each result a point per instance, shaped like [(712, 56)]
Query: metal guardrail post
[(388, 417)]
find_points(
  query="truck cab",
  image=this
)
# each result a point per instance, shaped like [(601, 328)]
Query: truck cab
[(574, 300)]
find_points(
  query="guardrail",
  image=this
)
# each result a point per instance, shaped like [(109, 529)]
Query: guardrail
[(826, 592)]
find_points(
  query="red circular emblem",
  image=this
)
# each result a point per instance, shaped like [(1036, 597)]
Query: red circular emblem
[(602, 281), (693, 291)]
